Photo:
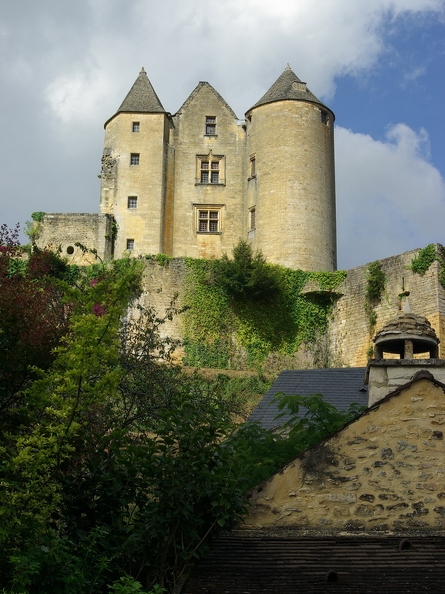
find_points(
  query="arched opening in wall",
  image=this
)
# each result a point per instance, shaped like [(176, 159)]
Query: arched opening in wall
[(70, 250), (405, 545), (331, 577)]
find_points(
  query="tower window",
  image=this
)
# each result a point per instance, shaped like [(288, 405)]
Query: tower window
[(210, 169), (210, 125), (252, 166), (324, 117), (209, 221), (135, 127), (130, 244), (134, 159), (132, 202), (252, 219)]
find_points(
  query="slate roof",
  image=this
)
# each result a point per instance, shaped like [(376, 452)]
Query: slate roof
[(141, 98), (340, 387), (244, 564), (288, 87)]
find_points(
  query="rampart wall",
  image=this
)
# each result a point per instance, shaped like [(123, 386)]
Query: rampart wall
[(350, 334)]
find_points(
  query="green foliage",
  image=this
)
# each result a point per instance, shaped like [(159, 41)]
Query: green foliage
[(375, 282), (310, 420), (247, 276), (38, 216), (375, 286), (424, 259), (227, 332), (161, 259), (32, 228)]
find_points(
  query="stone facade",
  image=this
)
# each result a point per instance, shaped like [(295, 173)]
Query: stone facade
[(194, 183), (349, 336), (383, 472)]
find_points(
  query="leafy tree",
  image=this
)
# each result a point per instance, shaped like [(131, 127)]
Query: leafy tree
[(115, 467), (247, 276)]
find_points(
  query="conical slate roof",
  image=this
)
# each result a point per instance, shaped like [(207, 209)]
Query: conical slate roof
[(288, 87), (141, 97)]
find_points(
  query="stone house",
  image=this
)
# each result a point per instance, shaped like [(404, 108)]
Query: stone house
[(362, 511)]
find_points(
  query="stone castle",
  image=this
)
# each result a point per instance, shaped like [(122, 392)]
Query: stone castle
[(194, 183)]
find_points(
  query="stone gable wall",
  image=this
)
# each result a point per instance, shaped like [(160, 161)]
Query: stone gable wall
[(385, 471)]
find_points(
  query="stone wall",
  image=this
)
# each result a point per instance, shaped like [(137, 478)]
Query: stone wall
[(62, 231), (385, 471), (349, 336), (350, 333)]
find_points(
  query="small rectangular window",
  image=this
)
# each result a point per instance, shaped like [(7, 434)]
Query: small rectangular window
[(209, 221), (252, 167), (324, 116), (252, 219), (135, 126), (210, 125), (130, 244), (134, 159), (132, 202)]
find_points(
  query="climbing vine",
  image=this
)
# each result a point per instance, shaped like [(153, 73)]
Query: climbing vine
[(375, 287), (426, 257), (224, 331)]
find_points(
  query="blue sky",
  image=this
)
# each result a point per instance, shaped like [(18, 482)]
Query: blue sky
[(66, 66)]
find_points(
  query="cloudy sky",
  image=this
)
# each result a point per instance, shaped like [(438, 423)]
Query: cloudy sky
[(65, 67)]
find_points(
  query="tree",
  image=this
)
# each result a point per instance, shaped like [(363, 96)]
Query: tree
[(247, 275)]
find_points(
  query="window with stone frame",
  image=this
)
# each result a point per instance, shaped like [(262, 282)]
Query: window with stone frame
[(132, 202), (135, 126), (208, 219), (134, 159), (210, 169), (130, 244), (210, 126)]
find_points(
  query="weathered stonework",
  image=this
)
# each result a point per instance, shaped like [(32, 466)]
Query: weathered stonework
[(60, 232), (383, 472), (267, 178)]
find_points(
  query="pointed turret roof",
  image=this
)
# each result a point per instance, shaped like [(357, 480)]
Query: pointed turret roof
[(141, 98), (288, 87)]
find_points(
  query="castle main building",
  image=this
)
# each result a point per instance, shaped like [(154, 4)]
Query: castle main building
[(194, 183)]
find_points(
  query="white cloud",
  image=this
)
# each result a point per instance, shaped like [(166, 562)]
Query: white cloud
[(390, 198)]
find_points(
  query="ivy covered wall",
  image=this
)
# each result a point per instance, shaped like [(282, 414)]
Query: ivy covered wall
[(224, 332)]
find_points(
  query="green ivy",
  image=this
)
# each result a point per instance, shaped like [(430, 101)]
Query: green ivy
[(375, 282), (221, 330), (424, 259)]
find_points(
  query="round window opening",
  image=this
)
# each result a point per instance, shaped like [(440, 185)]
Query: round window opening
[(70, 250)]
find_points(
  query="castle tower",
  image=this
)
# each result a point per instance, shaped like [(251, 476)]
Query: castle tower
[(290, 183), (134, 171)]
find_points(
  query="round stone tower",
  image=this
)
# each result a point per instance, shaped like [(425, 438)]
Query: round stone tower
[(291, 182)]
